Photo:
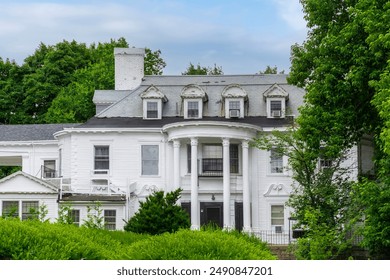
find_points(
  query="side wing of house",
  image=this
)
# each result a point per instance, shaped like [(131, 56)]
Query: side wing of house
[(23, 196)]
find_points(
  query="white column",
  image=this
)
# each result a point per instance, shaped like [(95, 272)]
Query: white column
[(176, 164), (226, 183), (195, 221), (245, 186)]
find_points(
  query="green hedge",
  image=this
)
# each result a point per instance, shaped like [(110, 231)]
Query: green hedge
[(33, 240), (200, 245)]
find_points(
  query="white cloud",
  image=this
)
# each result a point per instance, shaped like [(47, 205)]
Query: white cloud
[(291, 12)]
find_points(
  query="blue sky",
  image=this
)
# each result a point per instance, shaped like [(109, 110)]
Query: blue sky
[(242, 37)]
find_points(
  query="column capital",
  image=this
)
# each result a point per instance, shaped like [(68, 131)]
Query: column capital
[(194, 141), (245, 144), (225, 141), (176, 143)]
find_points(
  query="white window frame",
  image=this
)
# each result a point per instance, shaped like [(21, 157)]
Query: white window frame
[(56, 175), (283, 107), (270, 165), (20, 203), (158, 160), (106, 225), (145, 108), (227, 106), (200, 107), (274, 225), (101, 171)]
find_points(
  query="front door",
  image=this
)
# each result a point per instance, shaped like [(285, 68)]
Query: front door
[(211, 213)]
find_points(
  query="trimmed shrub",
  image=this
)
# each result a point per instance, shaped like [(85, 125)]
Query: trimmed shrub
[(159, 214), (200, 245), (33, 240)]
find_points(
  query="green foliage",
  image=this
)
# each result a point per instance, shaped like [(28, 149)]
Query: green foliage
[(65, 214), (200, 245), (199, 70), (322, 198), (8, 170), (95, 219), (271, 70), (375, 202), (33, 240), (56, 83), (159, 214)]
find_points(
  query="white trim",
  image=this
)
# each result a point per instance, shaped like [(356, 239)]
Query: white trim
[(145, 102), (227, 106), (200, 107), (283, 107)]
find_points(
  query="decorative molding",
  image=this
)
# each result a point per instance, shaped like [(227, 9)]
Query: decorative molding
[(276, 190), (234, 91), (275, 91), (193, 91), (153, 92)]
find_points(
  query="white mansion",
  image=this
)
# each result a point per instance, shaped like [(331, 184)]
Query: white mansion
[(162, 133)]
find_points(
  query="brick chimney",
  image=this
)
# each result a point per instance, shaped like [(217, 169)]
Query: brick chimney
[(129, 68)]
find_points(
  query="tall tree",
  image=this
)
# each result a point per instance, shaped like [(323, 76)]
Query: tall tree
[(200, 70), (344, 67)]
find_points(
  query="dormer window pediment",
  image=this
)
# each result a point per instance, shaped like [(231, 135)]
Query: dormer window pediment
[(275, 91), (152, 99), (153, 92), (276, 98), (193, 98), (234, 97)]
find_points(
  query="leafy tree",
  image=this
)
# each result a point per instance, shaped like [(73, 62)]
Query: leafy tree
[(56, 83), (159, 214), (199, 70), (271, 70), (321, 197), (344, 67)]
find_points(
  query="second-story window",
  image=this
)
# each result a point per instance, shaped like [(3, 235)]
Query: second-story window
[(102, 159), (150, 159), (276, 162), (49, 169)]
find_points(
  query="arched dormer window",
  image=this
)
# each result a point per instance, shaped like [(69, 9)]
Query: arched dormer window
[(193, 98), (234, 97), (152, 99), (276, 98)]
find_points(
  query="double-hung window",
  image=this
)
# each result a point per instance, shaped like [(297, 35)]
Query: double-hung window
[(150, 159), (276, 108), (276, 162), (49, 169), (193, 109), (75, 215), (110, 219), (10, 209), (152, 110), (30, 210), (277, 217), (102, 159)]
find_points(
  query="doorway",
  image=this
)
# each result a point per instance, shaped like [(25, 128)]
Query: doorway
[(211, 213)]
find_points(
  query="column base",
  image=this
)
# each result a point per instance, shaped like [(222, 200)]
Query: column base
[(195, 227)]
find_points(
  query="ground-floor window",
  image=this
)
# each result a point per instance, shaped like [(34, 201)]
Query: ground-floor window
[(75, 215), (29, 209), (10, 209), (277, 217), (110, 219)]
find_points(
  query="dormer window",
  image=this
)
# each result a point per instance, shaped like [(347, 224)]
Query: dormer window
[(276, 98), (235, 98), (192, 109), (152, 109), (193, 98), (152, 99)]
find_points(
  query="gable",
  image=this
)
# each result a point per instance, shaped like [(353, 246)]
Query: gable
[(21, 182), (275, 91)]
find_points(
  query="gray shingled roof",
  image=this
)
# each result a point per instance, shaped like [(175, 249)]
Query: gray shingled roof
[(117, 122), (31, 132)]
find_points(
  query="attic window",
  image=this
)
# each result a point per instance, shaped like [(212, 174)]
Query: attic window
[(151, 109), (276, 98)]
